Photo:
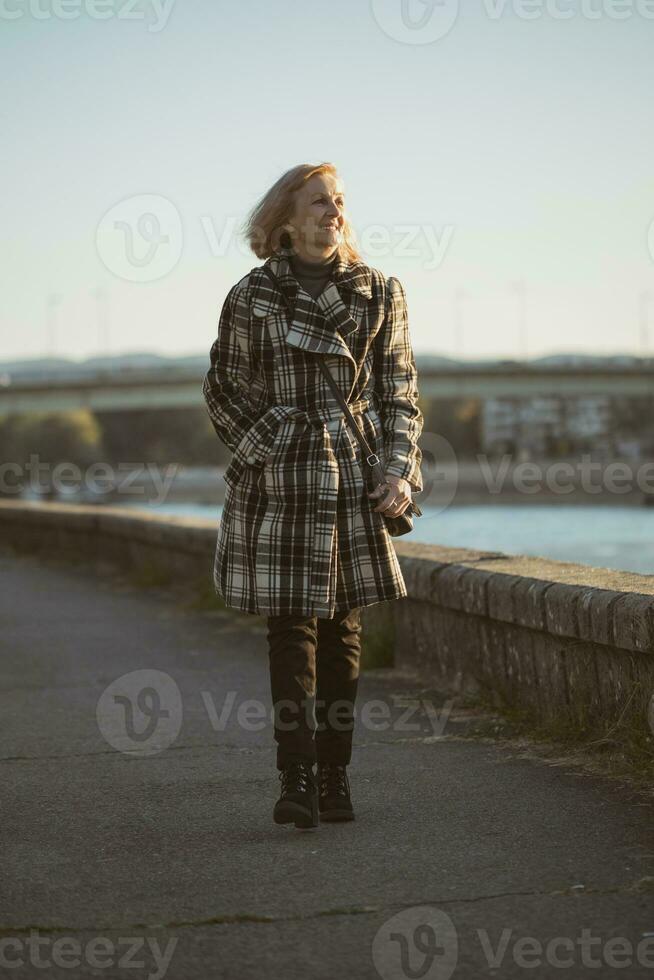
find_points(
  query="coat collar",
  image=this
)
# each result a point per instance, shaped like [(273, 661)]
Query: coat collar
[(355, 276), (319, 325)]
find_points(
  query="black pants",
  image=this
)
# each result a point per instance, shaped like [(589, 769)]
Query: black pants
[(314, 663)]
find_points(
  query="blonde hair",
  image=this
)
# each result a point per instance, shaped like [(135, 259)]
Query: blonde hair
[(264, 227)]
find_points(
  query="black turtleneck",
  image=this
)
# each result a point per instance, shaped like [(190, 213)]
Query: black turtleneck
[(312, 275)]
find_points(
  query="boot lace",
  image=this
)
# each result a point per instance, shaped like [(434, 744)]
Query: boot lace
[(333, 780), (296, 778)]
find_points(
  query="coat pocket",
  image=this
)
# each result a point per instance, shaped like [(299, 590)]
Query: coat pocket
[(237, 468), (246, 458), (295, 468), (288, 482), (261, 441)]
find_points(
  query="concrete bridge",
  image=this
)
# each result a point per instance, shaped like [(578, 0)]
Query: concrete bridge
[(166, 835), (172, 387)]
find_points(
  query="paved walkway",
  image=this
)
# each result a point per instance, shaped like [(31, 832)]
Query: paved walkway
[(163, 860)]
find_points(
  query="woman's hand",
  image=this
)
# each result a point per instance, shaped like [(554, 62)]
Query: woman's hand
[(395, 495)]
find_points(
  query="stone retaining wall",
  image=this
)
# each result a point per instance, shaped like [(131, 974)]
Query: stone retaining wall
[(569, 643)]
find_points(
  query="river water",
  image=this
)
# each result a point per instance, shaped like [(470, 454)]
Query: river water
[(607, 536)]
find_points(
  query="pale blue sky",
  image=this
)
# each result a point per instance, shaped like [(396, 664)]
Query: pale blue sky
[(525, 147)]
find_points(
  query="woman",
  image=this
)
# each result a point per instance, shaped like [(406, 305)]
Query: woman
[(302, 540)]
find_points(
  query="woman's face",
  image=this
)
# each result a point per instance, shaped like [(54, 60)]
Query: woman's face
[(318, 216)]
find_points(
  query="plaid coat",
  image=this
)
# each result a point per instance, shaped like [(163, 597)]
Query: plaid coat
[(298, 534)]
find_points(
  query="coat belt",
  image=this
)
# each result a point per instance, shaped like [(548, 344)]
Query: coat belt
[(322, 416), (319, 416), (316, 417)]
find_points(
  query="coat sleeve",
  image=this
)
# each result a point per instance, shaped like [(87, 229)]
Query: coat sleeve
[(225, 385), (396, 388)]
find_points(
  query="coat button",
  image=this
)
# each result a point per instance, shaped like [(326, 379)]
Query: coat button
[(251, 460)]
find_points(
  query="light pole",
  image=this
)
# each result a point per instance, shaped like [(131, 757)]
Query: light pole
[(520, 289), (52, 303), (644, 299), (459, 295), (100, 295)]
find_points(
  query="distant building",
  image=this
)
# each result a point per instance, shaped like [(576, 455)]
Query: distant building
[(540, 426)]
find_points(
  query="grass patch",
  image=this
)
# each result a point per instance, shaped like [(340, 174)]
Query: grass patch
[(203, 597), (377, 647), (194, 594), (622, 748), (149, 574)]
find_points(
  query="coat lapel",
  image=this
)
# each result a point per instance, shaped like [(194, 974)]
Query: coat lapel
[(318, 326)]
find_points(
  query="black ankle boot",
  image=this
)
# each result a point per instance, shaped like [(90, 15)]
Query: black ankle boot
[(298, 803), (334, 792)]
